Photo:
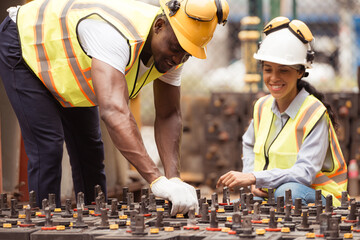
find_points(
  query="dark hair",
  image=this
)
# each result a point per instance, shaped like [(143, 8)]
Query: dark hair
[(310, 89)]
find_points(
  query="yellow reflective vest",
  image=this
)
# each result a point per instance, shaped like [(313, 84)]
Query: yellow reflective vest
[(282, 154), (50, 46)]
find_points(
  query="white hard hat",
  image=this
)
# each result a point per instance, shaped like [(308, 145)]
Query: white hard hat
[(283, 47)]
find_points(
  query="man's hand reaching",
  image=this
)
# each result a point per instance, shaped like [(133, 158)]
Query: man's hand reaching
[(182, 195)]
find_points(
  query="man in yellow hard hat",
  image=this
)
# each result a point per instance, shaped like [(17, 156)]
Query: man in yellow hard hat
[(60, 59)]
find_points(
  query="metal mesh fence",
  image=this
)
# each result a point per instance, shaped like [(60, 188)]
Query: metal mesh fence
[(335, 25)]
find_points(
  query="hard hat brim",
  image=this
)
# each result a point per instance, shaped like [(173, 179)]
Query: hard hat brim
[(189, 47), (263, 58)]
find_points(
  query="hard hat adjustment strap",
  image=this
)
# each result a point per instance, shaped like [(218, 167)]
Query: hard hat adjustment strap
[(269, 28), (299, 35), (219, 12), (174, 6)]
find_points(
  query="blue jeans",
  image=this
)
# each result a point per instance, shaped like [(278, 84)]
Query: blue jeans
[(45, 125), (298, 190)]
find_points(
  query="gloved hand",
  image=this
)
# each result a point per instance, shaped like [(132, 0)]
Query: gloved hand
[(178, 192), (190, 188)]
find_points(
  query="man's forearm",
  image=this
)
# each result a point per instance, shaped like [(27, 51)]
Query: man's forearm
[(127, 138), (168, 140), (113, 98)]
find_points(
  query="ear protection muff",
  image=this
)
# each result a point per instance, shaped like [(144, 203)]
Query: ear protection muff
[(219, 12)]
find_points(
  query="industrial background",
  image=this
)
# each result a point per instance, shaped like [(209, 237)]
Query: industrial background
[(217, 97)]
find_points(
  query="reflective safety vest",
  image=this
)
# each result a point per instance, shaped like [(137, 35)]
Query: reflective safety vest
[(50, 45), (282, 154)]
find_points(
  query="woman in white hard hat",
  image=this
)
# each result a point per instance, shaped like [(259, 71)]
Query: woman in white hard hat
[(291, 142)]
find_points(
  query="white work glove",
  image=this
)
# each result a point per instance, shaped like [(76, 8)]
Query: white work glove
[(180, 195), (188, 186)]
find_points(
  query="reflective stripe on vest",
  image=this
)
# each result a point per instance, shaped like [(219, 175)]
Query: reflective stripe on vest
[(294, 132), (54, 54), (301, 126), (44, 64), (258, 110)]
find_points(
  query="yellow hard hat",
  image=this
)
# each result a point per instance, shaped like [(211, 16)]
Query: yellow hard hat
[(194, 22)]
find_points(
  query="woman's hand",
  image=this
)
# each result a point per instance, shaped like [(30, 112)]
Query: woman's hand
[(236, 179), (258, 192)]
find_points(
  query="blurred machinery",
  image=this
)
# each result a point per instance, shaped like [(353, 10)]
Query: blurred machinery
[(227, 118), (249, 37)]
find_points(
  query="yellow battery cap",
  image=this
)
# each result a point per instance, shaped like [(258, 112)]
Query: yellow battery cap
[(310, 235), (260, 231), (7, 225), (60, 228), (265, 220), (154, 230), (285, 230), (348, 235), (168, 229), (114, 226), (57, 210)]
